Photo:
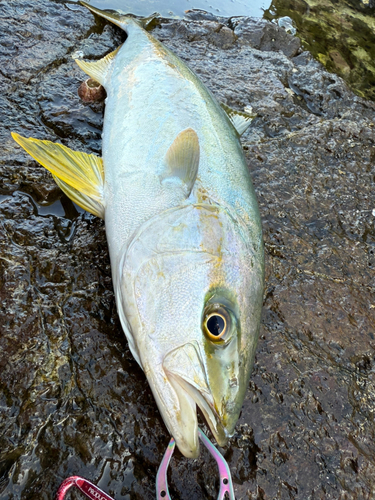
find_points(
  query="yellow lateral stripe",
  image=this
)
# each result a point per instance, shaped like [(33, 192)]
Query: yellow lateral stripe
[(81, 171)]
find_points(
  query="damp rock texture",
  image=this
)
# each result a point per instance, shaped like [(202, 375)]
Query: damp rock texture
[(72, 399), (340, 34)]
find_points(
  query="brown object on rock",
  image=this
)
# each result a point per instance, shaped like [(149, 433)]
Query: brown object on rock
[(91, 90)]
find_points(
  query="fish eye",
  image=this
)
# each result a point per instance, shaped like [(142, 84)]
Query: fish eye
[(216, 323)]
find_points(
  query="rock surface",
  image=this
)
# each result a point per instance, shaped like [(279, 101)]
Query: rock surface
[(72, 399), (339, 33)]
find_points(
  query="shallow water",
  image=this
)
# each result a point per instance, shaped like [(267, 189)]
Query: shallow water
[(177, 8)]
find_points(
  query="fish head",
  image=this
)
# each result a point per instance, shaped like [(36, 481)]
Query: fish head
[(191, 292)]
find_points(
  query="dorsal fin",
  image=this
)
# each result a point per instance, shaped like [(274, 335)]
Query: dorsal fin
[(240, 120), (79, 175), (182, 159), (98, 70)]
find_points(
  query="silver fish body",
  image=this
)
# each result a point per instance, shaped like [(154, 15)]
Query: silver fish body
[(184, 234)]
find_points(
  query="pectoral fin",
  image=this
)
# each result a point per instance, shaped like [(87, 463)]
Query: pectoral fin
[(240, 121), (182, 159), (79, 175), (98, 70)]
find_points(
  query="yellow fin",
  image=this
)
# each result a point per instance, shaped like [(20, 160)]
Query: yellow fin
[(80, 176), (182, 159), (240, 120), (98, 70), (84, 201)]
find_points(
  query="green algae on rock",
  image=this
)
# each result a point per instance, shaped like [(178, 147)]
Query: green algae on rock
[(341, 35)]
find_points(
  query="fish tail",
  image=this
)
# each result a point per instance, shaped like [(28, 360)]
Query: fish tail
[(113, 16), (121, 20), (98, 70)]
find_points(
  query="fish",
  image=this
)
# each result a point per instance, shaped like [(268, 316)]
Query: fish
[(183, 229)]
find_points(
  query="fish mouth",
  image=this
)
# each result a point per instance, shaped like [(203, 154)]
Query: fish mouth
[(187, 375)]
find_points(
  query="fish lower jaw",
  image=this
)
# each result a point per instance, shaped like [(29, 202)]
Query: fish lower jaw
[(211, 416)]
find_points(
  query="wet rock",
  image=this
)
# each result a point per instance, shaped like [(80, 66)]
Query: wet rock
[(340, 34), (72, 399), (34, 39), (223, 38), (266, 36)]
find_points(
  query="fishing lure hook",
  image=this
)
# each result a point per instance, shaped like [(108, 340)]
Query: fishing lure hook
[(162, 493), (226, 485)]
